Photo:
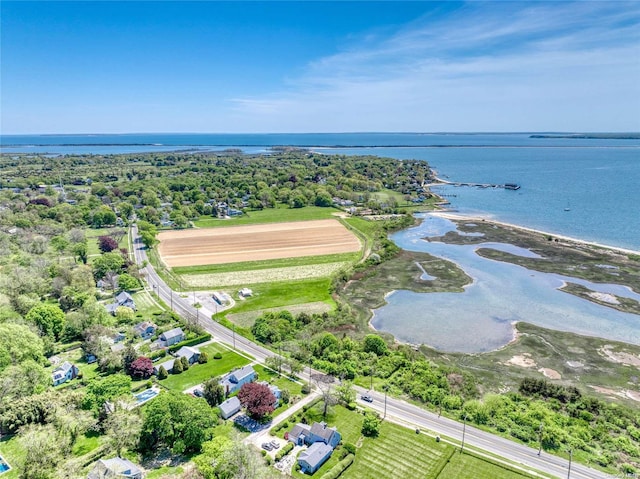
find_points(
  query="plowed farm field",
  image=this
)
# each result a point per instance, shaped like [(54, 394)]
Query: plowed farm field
[(255, 242)]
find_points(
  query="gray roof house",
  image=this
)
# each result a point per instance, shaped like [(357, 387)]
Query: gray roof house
[(233, 381), (122, 299), (192, 354), (318, 432), (315, 456), (145, 329), (229, 407), (115, 468), (63, 373), (172, 336)]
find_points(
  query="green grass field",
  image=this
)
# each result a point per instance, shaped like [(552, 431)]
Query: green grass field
[(247, 320), (270, 215), (198, 373), (266, 264), (273, 295)]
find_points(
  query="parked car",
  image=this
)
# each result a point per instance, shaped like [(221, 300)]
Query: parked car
[(267, 446), (198, 393), (275, 444), (366, 397)]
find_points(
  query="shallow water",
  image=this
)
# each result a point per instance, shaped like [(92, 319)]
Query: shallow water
[(480, 319)]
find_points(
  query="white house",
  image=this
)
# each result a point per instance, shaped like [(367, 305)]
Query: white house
[(63, 373)]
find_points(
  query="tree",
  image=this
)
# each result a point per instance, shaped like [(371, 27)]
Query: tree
[(177, 367), (107, 244), (43, 449), (107, 262), (129, 355), (211, 455), (325, 384), (243, 462), (108, 389), (49, 318), (125, 314), (213, 392), (123, 427), (126, 282), (24, 344), (178, 421), (185, 363), (142, 368), (80, 250), (371, 425), (71, 422), (22, 380), (162, 373), (103, 216), (345, 392), (203, 358), (257, 399), (374, 344)]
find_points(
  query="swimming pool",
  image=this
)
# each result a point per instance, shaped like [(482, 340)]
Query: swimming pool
[(146, 395), (4, 466)]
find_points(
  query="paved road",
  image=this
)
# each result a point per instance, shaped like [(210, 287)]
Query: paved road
[(395, 408)]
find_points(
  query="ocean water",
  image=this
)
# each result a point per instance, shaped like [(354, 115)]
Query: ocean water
[(595, 179), (480, 318)]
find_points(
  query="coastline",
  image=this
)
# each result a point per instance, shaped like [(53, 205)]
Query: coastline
[(465, 217)]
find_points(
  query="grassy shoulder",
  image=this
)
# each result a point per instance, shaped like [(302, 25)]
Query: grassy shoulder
[(270, 215)]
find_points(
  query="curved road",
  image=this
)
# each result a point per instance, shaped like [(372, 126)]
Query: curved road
[(396, 409)]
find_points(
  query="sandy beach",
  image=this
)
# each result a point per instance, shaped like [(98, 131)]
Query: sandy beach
[(463, 217)]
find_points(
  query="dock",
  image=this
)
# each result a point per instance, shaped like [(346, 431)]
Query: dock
[(506, 186)]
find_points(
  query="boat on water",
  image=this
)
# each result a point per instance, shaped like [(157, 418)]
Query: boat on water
[(511, 186)]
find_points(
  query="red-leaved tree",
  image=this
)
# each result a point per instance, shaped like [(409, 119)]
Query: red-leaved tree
[(257, 399), (107, 244), (141, 367)]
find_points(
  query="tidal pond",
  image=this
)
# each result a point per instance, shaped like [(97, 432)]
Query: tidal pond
[(481, 318)]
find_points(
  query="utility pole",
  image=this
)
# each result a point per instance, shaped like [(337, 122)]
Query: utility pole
[(540, 438), (569, 470), (464, 428), (386, 387), (234, 336), (171, 294)]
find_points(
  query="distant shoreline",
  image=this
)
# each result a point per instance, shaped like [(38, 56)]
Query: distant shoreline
[(465, 217)]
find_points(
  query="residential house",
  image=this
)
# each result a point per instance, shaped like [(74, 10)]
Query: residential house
[(321, 440), (116, 467), (275, 390), (229, 407), (192, 355), (122, 299), (315, 456), (318, 432), (63, 373), (117, 337), (233, 381), (145, 329), (173, 336)]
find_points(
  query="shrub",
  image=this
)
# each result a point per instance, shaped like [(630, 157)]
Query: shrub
[(285, 395), (185, 363), (217, 355), (162, 373), (203, 358), (157, 354), (306, 389), (371, 425), (350, 448), (339, 468), (284, 451), (351, 406), (177, 367), (190, 342)]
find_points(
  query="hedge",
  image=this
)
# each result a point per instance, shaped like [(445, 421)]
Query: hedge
[(339, 468), (284, 451), (190, 342), (63, 348)]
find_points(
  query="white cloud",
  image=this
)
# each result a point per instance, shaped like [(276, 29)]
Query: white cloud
[(484, 67)]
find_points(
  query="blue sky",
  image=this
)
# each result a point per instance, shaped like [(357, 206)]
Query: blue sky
[(112, 67)]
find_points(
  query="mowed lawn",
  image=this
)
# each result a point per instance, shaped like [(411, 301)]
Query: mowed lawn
[(465, 466), (198, 373), (270, 215), (399, 452)]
